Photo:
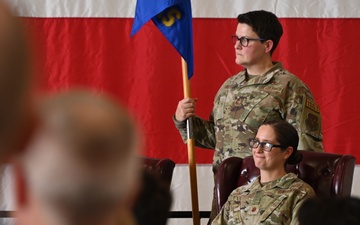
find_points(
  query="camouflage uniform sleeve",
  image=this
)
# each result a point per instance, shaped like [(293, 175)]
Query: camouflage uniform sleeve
[(230, 213), (223, 217), (203, 130), (308, 194), (304, 114)]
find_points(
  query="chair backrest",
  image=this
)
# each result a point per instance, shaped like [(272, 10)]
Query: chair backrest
[(327, 173), (162, 168)]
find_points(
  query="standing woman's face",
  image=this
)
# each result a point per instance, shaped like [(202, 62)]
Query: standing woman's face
[(252, 54), (276, 158)]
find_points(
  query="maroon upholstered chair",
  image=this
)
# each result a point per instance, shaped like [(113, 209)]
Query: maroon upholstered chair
[(162, 168), (328, 174)]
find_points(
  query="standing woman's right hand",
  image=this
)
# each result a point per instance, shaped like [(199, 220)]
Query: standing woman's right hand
[(185, 109)]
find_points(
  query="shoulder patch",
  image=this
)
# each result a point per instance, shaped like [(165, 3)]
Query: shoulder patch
[(312, 122), (309, 103)]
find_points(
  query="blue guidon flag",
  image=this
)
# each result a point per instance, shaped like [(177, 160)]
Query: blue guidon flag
[(174, 20)]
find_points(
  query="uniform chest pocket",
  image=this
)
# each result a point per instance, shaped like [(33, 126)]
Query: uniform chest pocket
[(241, 105), (235, 209), (277, 210), (253, 108)]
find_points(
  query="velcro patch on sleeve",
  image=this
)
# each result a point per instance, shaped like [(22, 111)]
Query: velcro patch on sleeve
[(309, 103)]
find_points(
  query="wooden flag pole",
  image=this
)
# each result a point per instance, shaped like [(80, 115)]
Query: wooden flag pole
[(191, 151)]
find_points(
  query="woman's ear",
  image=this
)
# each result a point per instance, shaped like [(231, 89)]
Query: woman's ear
[(289, 150), (269, 44)]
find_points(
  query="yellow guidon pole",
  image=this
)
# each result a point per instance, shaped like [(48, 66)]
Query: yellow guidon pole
[(191, 149)]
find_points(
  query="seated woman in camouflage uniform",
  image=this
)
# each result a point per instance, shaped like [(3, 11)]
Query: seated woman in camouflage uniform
[(275, 196)]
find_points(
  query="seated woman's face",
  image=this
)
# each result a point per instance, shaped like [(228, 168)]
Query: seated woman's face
[(268, 158)]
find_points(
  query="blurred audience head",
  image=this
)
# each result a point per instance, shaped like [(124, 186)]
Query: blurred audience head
[(81, 164), (330, 211), (14, 81)]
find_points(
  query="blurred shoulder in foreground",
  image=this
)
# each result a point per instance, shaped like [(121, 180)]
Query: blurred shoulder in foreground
[(330, 211), (152, 207)]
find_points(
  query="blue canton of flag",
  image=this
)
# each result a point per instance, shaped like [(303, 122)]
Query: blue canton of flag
[(174, 20)]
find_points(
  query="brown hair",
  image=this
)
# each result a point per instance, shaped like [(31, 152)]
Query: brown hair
[(287, 136)]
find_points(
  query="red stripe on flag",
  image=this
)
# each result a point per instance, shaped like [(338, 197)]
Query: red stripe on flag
[(144, 72)]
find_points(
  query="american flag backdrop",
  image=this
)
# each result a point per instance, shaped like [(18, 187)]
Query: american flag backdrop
[(87, 43)]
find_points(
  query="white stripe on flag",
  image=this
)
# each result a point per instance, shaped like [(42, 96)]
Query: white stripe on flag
[(201, 8)]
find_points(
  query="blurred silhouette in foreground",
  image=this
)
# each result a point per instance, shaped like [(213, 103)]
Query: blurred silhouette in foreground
[(330, 211), (15, 111), (81, 166), (153, 204), (14, 83)]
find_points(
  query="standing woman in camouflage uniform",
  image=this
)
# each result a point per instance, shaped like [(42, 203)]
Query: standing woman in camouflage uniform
[(263, 91), (275, 196)]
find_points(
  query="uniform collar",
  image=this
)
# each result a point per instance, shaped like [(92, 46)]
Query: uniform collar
[(260, 79), (283, 183)]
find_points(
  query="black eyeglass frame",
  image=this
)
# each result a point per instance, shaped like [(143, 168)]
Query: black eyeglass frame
[(254, 143), (243, 38)]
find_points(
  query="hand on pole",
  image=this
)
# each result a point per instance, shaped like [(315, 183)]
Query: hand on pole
[(185, 109)]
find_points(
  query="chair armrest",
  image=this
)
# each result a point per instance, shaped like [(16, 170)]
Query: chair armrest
[(343, 176), (226, 180), (163, 168)]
